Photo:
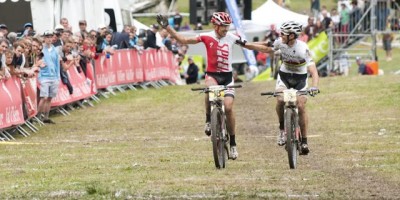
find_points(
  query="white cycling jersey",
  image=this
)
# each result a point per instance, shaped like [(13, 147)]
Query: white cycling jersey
[(295, 59), (219, 51)]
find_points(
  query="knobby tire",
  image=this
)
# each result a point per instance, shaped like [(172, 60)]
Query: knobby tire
[(217, 138), (291, 146)]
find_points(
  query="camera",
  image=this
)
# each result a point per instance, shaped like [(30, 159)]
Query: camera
[(40, 56)]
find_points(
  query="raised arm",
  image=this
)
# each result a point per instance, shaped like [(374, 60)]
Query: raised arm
[(163, 21)]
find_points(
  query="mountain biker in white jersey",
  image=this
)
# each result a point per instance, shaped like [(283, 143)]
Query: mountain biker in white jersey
[(297, 62), (218, 44)]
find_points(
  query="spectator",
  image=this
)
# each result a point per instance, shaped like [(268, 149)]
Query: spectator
[(121, 39), (192, 72), (4, 29), (387, 38), (165, 39), (151, 41), (133, 38), (177, 21), (198, 27), (57, 37), (64, 22), (82, 29), (319, 27), (185, 27), (101, 34), (236, 77), (355, 15), (310, 29), (336, 20), (12, 37), (28, 27), (344, 21), (49, 77), (106, 45), (68, 60), (363, 69), (315, 8), (325, 10), (326, 20)]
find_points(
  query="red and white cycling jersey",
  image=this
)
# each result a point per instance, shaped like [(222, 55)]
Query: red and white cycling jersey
[(219, 51), (295, 59)]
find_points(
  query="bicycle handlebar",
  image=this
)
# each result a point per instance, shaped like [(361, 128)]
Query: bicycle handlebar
[(304, 92), (206, 89)]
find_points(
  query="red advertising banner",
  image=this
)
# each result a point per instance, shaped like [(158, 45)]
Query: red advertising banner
[(11, 103), (137, 64), (81, 87), (101, 71), (90, 76), (29, 87)]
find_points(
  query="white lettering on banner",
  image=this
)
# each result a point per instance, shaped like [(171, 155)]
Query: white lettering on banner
[(112, 77), (1, 119), (12, 114), (129, 74), (121, 75), (102, 79)]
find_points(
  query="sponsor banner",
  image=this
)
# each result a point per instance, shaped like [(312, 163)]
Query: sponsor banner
[(90, 76), (11, 103), (81, 87), (29, 87), (137, 64), (234, 12), (101, 71), (319, 46)]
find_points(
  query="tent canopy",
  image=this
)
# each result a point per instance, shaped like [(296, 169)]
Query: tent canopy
[(271, 13)]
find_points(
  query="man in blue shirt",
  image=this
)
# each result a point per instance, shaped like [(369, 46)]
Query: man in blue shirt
[(49, 77)]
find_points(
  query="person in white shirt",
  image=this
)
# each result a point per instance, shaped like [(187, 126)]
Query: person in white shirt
[(293, 73)]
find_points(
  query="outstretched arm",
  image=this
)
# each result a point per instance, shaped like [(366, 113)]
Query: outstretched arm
[(163, 21), (259, 46)]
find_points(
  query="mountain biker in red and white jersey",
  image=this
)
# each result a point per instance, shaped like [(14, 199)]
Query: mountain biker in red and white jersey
[(297, 62), (218, 44)]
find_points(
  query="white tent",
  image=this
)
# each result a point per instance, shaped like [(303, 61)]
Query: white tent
[(271, 13)]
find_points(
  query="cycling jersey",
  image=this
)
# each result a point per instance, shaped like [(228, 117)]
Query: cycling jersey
[(219, 51), (295, 59)]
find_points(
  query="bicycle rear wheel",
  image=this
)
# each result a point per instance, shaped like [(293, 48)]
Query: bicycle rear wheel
[(217, 139), (291, 142)]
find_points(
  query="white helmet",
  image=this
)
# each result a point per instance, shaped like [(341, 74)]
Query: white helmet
[(291, 27)]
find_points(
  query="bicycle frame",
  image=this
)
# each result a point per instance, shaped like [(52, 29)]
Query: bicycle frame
[(292, 127), (219, 133)]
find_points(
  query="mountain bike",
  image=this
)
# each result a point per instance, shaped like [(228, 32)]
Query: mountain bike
[(219, 132), (291, 117)]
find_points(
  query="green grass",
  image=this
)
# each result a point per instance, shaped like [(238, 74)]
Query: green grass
[(150, 144)]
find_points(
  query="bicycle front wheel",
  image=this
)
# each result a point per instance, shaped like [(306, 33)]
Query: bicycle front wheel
[(217, 139), (291, 142)]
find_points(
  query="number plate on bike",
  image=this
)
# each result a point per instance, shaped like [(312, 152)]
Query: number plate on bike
[(290, 95)]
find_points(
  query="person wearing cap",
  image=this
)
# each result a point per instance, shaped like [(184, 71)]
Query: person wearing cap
[(151, 41), (49, 77), (4, 29), (192, 72), (28, 27), (219, 44)]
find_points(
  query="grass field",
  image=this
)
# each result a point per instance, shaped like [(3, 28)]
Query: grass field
[(150, 144)]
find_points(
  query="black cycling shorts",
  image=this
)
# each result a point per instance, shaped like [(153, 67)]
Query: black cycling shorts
[(291, 80)]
